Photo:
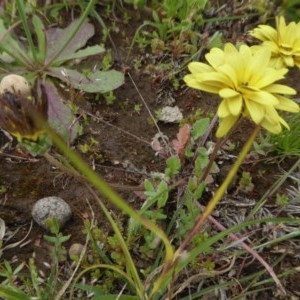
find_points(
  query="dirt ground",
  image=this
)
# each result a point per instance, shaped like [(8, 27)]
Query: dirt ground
[(121, 154)]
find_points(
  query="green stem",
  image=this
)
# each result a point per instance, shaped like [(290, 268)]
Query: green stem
[(219, 193), (208, 210)]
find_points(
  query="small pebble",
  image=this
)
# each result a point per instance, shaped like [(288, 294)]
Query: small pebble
[(15, 84), (75, 250), (170, 114), (51, 207)]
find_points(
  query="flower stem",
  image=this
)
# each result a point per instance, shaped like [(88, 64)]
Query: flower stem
[(219, 193)]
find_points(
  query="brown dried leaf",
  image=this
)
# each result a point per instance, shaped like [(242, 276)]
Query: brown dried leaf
[(183, 137)]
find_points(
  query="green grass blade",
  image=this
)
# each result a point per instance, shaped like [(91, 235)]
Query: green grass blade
[(41, 37), (130, 266), (21, 8), (9, 294)]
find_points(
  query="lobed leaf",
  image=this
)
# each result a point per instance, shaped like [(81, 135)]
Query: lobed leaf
[(95, 82), (56, 37), (89, 51)]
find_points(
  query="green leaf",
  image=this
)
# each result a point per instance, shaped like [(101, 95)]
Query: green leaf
[(39, 147), (199, 128), (9, 45), (148, 186), (60, 115), (9, 294), (159, 196), (41, 37), (199, 191), (96, 82), (173, 166), (53, 225), (163, 192), (89, 51), (56, 37), (25, 26), (201, 161), (154, 215)]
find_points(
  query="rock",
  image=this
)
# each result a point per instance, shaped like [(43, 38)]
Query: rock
[(51, 207), (15, 84), (170, 114), (75, 251)]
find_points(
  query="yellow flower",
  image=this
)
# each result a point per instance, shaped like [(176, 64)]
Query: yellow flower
[(283, 42), (246, 83)]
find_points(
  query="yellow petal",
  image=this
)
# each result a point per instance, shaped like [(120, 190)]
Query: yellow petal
[(284, 123), (261, 97), (225, 125), (266, 77), (275, 129), (256, 111), (272, 46), (228, 71), (231, 106), (288, 60), (235, 105), (230, 51), (264, 32), (280, 24), (280, 89), (211, 87), (260, 60), (198, 67), (287, 105), (241, 65), (215, 57), (271, 115), (223, 109), (228, 93)]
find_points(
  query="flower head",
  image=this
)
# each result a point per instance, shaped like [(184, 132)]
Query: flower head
[(283, 42), (246, 83), (18, 117)]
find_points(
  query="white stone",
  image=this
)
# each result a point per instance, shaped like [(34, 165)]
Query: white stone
[(51, 207), (15, 84), (170, 114)]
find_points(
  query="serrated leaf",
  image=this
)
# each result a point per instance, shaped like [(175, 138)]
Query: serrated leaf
[(96, 82), (56, 37), (60, 116), (199, 128)]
